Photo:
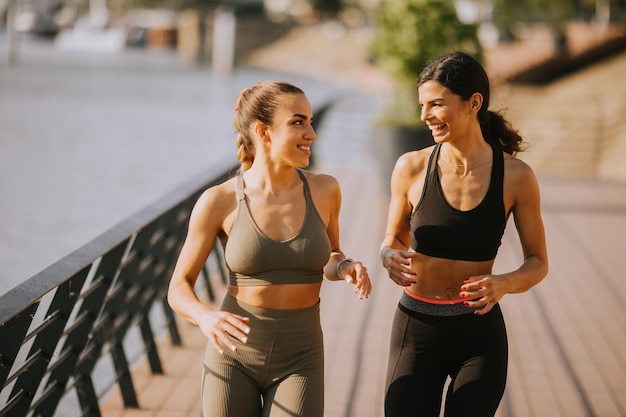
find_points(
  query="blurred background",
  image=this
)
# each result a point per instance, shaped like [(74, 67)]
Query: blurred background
[(105, 105), (108, 105)]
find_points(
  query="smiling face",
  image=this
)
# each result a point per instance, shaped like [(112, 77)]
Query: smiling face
[(291, 132), (445, 113)]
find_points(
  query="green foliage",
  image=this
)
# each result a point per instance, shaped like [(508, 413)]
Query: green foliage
[(553, 13), (409, 34)]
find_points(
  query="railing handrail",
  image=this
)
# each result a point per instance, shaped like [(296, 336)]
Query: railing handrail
[(96, 294), (32, 289)]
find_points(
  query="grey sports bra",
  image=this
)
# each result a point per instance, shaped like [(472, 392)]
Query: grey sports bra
[(253, 258)]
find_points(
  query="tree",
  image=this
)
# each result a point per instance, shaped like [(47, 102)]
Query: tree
[(409, 34), (554, 13)]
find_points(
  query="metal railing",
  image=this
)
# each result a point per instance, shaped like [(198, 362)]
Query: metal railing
[(57, 325)]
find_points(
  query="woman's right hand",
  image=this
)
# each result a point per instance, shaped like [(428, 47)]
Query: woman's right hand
[(220, 326), (398, 265)]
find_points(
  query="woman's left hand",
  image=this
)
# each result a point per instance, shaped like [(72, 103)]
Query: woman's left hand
[(356, 273), (482, 291)]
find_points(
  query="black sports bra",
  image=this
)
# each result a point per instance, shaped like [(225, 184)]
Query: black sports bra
[(442, 231)]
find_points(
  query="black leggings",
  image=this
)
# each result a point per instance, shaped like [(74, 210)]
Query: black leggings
[(471, 349)]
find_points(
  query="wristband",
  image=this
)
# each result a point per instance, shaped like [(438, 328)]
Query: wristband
[(383, 257), (338, 269)]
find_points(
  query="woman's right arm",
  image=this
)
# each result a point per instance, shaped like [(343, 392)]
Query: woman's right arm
[(205, 222), (394, 249)]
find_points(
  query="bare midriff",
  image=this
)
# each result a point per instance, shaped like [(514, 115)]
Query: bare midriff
[(441, 279), (278, 296)]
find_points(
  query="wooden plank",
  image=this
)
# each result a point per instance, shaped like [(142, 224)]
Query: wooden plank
[(356, 331), (578, 307)]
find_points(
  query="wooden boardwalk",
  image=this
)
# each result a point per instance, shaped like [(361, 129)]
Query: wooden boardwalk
[(567, 336)]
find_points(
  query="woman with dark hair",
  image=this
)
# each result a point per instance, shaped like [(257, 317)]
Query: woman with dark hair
[(279, 228), (449, 207)]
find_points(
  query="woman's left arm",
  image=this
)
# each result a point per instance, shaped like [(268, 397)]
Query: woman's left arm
[(526, 212), (339, 267), (522, 192)]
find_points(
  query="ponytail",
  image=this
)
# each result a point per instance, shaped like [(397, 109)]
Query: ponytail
[(499, 132), (245, 152)]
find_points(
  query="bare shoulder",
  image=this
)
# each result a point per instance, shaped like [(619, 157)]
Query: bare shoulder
[(521, 188), (219, 200), (326, 194), (407, 178), (517, 172), (412, 163), (322, 184)]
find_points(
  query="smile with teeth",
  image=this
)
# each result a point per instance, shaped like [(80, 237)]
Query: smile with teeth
[(437, 127), (305, 148)]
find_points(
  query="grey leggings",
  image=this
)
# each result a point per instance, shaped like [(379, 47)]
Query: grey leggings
[(278, 372)]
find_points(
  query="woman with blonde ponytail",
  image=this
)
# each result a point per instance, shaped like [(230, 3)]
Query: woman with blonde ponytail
[(278, 224)]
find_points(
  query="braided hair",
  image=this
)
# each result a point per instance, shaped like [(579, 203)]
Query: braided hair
[(257, 103)]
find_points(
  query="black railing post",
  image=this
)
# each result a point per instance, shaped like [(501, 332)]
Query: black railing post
[(171, 323), (46, 338), (151, 348), (124, 379), (11, 338), (87, 396)]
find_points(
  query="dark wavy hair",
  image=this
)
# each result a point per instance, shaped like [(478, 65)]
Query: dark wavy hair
[(463, 75)]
